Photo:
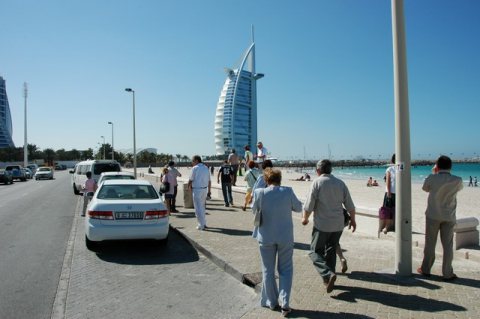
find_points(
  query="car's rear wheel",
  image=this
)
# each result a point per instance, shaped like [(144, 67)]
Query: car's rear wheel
[(91, 245), (75, 190)]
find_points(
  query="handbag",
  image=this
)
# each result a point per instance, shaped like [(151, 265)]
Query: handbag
[(257, 213), (386, 212), (164, 187), (346, 217)]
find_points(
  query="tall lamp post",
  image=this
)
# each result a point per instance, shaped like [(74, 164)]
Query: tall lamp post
[(403, 204), (134, 142), (25, 145), (113, 152), (103, 146)]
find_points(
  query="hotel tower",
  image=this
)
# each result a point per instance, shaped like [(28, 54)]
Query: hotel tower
[(236, 115), (5, 118)]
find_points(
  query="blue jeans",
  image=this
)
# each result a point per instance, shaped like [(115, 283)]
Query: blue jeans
[(270, 292), (323, 252), (227, 193)]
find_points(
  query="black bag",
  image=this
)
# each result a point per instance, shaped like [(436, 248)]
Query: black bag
[(346, 216), (164, 187)]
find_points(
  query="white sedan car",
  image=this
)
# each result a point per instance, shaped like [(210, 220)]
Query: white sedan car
[(44, 173), (126, 209), (114, 175)]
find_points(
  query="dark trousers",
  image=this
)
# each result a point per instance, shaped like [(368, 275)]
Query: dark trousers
[(323, 248), (227, 193), (174, 199), (234, 172)]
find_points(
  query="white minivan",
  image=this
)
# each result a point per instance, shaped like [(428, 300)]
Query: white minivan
[(97, 167)]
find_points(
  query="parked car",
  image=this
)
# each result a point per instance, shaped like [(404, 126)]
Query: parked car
[(97, 167), (17, 172), (115, 175), (28, 173), (125, 209), (33, 168), (6, 177), (44, 173)]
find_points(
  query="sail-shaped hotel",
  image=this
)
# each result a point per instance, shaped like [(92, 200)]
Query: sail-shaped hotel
[(236, 115), (5, 118)]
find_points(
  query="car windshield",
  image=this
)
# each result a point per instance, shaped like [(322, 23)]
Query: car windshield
[(99, 168), (43, 169), (127, 192)]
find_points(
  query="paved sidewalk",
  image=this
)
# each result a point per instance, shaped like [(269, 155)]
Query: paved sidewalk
[(367, 290)]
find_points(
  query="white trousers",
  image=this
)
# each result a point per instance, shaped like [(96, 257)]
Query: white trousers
[(199, 199)]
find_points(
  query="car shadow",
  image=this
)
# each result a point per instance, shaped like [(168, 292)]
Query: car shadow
[(148, 252)]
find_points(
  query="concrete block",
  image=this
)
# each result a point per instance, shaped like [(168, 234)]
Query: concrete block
[(187, 196), (466, 233)]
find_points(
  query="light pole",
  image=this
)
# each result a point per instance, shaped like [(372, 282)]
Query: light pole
[(134, 142), (113, 152), (403, 204), (25, 145), (103, 146)]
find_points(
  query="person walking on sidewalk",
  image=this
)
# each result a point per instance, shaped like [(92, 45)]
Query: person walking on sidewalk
[(275, 238), (225, 173), (248, 155), (440, 216), (89, 188), (251, 177), (199, 183), (175, 174), (234, 161), (326, 199)]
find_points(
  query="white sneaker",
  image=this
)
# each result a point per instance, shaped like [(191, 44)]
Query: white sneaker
[(200, 227)]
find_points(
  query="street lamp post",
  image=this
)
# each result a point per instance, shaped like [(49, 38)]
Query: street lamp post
[(113, 152), (134, 142), (103, 146)]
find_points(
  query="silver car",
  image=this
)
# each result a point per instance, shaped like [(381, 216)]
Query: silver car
[(44, 173)]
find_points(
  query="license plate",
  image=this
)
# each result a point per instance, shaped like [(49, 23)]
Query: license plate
[(128, 215)]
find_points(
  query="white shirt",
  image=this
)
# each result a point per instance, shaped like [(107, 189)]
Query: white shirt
[(200, 176), (261, 152), (391, 170)]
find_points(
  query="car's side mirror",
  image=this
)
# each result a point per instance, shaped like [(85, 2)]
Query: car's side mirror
[(71, 171)]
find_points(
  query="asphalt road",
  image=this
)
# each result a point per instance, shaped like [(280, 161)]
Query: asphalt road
[(35, 222)]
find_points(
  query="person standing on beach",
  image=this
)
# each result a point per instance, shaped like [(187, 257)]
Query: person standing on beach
[(234, 163), (261, 152), (175, 174), (199, 183), (326, 199), (225, 173), (387, 218), (440, 216), (471, 182)]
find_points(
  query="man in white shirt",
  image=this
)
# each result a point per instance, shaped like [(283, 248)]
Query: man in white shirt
[(440, 216), (261, 153), (199, 183)]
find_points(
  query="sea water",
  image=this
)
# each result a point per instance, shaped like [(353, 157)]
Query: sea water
[(418, 173)]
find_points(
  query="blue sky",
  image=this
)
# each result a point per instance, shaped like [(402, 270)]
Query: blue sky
[(328, 73)]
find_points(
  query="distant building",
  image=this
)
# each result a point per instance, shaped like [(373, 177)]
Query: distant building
[(5, 118), (236, 115)]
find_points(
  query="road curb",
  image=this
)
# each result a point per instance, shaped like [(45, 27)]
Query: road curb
[(60, 302)]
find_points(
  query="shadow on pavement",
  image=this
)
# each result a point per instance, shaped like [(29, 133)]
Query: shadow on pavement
[(148, 252), (311, 314), (392, 279), (228, 231), (392, 299)]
